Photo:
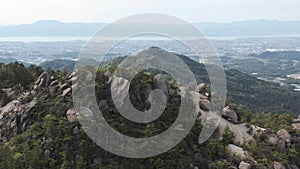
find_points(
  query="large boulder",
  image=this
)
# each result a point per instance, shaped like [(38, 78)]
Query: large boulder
[(277, 165), (238, 152), (284, 135), (230, 114), (241, 132), (244, 165)]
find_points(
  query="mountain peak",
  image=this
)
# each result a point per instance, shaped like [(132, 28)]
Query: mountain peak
[(47, 22)]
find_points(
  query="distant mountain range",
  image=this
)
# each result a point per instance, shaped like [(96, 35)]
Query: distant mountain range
[(243, 28), (50, 28)]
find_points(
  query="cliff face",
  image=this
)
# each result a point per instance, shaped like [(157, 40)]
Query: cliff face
[(39, 127)]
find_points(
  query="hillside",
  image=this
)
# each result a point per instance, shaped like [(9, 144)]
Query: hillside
[(283, 55), (59, 64), (248, 91), (40, 129)]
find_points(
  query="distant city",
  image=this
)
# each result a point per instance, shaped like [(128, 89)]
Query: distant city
[(235, 46)]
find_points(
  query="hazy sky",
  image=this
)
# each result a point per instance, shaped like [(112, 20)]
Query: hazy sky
[(27, 11)]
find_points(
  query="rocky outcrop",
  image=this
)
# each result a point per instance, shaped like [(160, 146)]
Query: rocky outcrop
[(240, 131), (42, 81), (230, 114), (284, 140), (244, 165), (14, 119), (201, 88), (284, 135)]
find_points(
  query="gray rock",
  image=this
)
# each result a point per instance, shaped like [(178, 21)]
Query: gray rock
[(14, 119), (238, 152), (201, 88), (230, 114), (119, 90), (295, 121), (64, 86), (277, 165), (272, 139), (159, 82), (8, 91), (296, 126), (66, 91), (9, 107), (203, 107), (108, 75), (53, 89), (53, 83), (72, 74), (42, 81), (232, 167), (257, 131), (73, 79), (71, 115), (283, 134), (244, 165)]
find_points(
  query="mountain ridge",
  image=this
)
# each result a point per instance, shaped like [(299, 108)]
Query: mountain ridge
[(238, 28)]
